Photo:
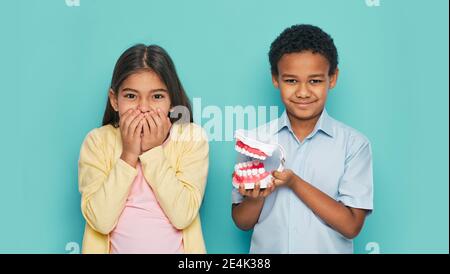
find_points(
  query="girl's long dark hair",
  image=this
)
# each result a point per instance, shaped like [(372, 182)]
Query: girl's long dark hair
[(141, 57)]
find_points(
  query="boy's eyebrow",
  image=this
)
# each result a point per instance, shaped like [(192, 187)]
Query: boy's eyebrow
[(288, 75), (151, 91), (317, 75), (311, 76)]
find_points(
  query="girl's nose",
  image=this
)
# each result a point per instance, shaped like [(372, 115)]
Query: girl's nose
[(143, 109), (143, 106)]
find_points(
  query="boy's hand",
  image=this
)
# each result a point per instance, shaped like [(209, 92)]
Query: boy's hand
[(130, 125), (283, 178), (155, 128), (257, 192)]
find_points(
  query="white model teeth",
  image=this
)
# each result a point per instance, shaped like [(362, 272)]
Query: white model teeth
[(250, 173), (258, 157), (247, 153), (248, 169)]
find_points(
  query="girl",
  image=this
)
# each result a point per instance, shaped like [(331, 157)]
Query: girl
[(142, 175)]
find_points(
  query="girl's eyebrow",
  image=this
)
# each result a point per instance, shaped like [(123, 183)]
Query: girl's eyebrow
[(151, 91)]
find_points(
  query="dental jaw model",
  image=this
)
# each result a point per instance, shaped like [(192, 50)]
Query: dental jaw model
[(256, 161)]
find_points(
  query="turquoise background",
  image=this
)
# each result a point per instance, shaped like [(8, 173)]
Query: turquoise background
[(57, 62)]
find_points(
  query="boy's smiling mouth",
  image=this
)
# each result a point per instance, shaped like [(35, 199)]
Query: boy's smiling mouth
[(303, 103)]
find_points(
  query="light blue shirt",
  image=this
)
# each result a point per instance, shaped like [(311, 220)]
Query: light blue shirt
[(334, 158)]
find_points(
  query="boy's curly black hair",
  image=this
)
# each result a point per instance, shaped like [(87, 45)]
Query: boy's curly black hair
[(298, 38)]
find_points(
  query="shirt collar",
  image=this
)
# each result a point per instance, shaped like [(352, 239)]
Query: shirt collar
[(324, 124)]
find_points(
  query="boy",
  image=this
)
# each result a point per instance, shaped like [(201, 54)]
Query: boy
[(319, 202)]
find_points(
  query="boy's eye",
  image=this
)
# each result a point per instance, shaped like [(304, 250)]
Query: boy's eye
[(315, 81), (290, 81), (130, 96)]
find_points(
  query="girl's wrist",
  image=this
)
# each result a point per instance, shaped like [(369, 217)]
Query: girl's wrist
[(147, 149), (130, 159)]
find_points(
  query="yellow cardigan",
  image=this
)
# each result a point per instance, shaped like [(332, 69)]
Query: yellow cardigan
[(176, 172)]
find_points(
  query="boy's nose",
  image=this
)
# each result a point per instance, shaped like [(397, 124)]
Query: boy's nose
[(302, 92)]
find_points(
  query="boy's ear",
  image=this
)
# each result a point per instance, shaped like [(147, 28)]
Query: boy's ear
[(275, 81), (334, 78), (113, 100)]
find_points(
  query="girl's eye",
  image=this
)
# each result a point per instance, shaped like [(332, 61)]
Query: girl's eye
[(158, 96), (130, 96), (315, 81)]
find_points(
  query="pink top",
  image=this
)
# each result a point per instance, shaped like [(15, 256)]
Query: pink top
[(143, 227)]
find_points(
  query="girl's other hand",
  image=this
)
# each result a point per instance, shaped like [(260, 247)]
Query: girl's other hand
[(130, 125), (156, 129)]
